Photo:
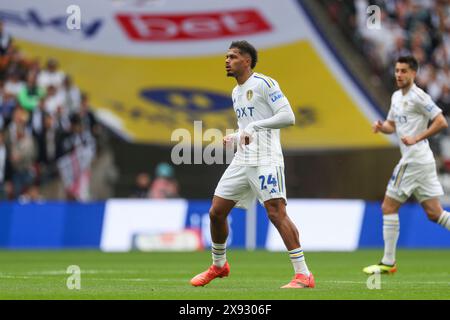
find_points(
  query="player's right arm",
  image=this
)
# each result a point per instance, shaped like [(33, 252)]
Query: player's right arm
[(231, 139), (386, 127)]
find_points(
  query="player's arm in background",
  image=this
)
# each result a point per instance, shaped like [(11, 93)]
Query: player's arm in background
[(387, 126), (433, 113), (282, 117)]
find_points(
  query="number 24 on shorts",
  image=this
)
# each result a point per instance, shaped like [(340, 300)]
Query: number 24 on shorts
[(270, 180)]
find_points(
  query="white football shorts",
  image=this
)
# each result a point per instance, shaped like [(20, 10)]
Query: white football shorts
[(415, 179), (243, 184)]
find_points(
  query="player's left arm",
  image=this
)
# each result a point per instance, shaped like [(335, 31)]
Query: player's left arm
[(282, 117), (438, 122)]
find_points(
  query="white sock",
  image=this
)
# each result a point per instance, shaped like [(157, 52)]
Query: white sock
[(391, 231), (298, 261), (444, 220), (219, 254)]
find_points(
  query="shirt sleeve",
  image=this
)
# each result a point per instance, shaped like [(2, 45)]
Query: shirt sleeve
[(427, 107), (274, 96), (391, 115), (283, 116)]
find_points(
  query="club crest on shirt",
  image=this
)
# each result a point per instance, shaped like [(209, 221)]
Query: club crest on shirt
[(249, 95)]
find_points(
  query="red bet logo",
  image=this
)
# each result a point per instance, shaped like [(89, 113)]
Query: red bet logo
[(211, 25)]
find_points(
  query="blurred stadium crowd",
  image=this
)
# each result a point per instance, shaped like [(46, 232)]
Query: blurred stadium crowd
[(43, 118), (163, 186), (417, 27), (420, 28)]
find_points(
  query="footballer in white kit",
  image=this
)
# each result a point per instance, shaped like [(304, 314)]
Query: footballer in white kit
[(416, 172), (257, 170), (409, 116)]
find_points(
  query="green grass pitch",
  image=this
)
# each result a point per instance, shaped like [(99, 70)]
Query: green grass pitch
[(423, 274)]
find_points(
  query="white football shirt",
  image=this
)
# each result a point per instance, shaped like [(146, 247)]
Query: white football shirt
[(258, 99), (411, 113)]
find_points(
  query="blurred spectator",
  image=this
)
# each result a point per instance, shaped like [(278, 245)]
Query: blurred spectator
[(5, 184), (54, 100), (70, 95), (5, 40), (165, 184), (142, 186), (33, 66), (13, 84), (62, 120), (7, 105), (2, 156), (21, 151), (87, 116), (46, 138), (31, 195), (14, 62), (75, 152), (433, 85), (51, 76), (378, 45), (444, 100), (444, 76), (18, 123), (30, 95), (37, 118), (399, 49), (76, 136)]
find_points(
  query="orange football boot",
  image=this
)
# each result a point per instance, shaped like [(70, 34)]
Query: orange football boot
[(213, 272), (301, 281)]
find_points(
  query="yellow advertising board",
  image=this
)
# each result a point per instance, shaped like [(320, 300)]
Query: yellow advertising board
[(168, 81)]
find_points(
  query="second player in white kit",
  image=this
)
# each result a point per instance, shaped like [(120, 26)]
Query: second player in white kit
[(414, 117), (416, 172)]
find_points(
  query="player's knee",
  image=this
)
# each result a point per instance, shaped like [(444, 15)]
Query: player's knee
[(275, 213), (274, 217), (387, 208), (216, 214), (271, 214), (432, 214), (432, 210)]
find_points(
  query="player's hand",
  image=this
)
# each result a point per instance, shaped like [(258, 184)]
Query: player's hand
[(409, 141), (377, 126), (228, 140), (245, 138)]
